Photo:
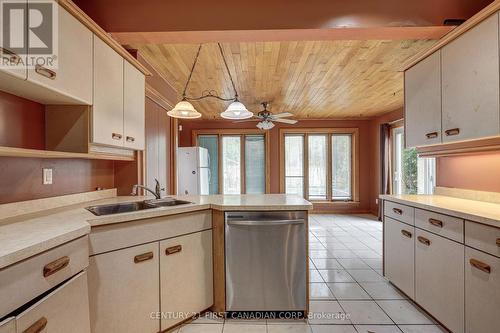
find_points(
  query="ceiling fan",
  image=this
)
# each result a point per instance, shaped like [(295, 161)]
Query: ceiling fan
[(266, 118)]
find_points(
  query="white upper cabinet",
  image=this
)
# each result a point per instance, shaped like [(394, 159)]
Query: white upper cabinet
[(470, 84), (107, 111), (423, 102), (73, 76), (133, 107), (15, 59)]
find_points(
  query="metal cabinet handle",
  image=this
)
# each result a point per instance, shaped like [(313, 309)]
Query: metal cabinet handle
[(49, 74), (453, 131), (37, 327), (130, 139), (432, 135), (143, 257), (436, 223), (406, 233), (480, 265), (266, 223), (116, 136), (498, 242), (10, 55), (397, 211), (424, 240), (55, 266), (173, 250)]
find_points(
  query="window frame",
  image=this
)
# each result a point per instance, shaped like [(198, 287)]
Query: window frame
[(329, 132), (241, 133)]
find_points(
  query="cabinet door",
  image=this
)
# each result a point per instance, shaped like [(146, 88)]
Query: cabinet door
[(482, 292), (64, 310), (186, 276), (15, 60), (399, 255), (124, 289), (470, 84), (423, 102), (439, 278), (73, 75), (107, 111), (8, 325), (134, 101)]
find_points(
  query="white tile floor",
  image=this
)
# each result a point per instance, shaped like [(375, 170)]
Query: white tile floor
[(345, 278)]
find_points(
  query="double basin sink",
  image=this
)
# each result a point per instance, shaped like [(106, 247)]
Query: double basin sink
[(127, 207)]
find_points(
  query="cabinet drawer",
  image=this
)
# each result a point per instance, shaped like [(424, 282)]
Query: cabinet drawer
[(399, 212), (439, 278), (121, 235), (66, 309), (482, 237), (399, 247), (443, 225), (8, 325), (482, 292), (25, 280)]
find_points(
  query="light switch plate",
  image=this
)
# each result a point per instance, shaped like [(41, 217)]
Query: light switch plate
[(47, 176)]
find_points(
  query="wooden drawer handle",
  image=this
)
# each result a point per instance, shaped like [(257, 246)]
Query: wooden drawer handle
[(424, 240), (37, 327), (130, 139), (498, 242), (453, 131), (116, 136), (173, 250), (143, 257), (55, 266), (10, 55), (406, 233), (397, 211), (432, 135), (436, 223), (480, 265), (49, 74)]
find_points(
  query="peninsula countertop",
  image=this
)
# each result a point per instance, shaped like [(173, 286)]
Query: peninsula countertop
[(30, 228)]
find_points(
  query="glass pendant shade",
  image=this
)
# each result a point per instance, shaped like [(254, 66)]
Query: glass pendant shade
[(184, 110), (236, 111)]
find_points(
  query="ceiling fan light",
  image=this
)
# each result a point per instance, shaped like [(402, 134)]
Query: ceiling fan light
[(184, 110), (265, 125), (236, 111)]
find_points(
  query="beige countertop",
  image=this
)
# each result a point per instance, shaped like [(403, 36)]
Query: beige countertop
[(472, 210), (30, 229)]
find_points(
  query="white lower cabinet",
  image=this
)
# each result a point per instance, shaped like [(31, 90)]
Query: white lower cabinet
[(8, 325), (399, 255), (439, 278), (124, 289), (186, 276), (66, 309), (482, 292)]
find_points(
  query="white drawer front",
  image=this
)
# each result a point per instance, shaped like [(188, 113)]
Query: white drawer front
[(482, 237), (482, 292), (121, 235), (399, 212), (443, 225), (25, 280), (66, 309)]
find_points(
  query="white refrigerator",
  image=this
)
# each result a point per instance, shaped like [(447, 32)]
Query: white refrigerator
[(193, 171)]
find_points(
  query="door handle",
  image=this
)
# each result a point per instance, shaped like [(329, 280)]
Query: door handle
[(116, 136), (173, 250), (10, 55), (480, 265), (49, 74), (266, 223), (130, 139), (432, 135), (143, 257), (436, 223), (424, 240), (397, 211), (453, 131), (37, 327), (55, 266), (406, 233)]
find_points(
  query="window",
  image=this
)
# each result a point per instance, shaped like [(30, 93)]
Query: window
[(318, 163), (410, 174), (237, 161)]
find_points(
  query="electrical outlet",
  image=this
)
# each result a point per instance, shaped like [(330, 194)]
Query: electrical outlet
[(47, 176), (376, 201)]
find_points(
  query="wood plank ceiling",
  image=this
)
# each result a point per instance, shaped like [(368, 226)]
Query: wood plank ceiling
[(311, 79)]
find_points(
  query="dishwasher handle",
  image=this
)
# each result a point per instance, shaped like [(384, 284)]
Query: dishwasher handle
[(266, 222)]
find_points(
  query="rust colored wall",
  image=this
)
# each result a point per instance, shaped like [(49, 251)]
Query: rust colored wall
[(185, 140), (480, 172)]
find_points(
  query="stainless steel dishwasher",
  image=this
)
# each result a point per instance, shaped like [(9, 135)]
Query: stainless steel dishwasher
[(266, 261)]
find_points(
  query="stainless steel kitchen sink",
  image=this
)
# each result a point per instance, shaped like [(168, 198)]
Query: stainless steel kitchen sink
[(127, 207)]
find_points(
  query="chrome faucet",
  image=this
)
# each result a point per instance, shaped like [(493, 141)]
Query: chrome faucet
[(156, 192)]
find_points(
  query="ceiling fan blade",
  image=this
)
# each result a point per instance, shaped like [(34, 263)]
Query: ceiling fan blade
[(282, 114), (247, 120), (286, 121)]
